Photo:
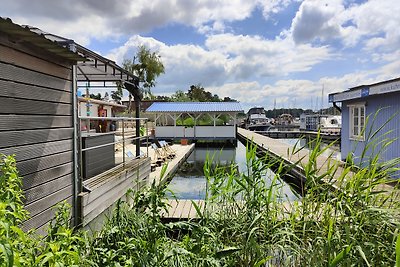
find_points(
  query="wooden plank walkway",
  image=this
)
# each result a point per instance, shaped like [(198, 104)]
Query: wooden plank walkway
[(284, 151), (182, 209), (182, 153)]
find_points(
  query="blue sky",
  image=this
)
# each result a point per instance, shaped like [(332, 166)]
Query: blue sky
[(255, 51)]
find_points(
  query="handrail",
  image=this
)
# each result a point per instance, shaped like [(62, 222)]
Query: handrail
[(87, 119)]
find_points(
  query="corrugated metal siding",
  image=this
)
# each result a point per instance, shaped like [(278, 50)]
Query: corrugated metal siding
[(36, 125), (383, 107), (195, 107)]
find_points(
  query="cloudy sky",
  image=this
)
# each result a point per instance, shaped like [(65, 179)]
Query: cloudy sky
[(260, 52)]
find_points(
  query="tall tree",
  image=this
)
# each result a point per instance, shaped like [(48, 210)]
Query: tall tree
[(147, 66), (180, 96), (197, 93)]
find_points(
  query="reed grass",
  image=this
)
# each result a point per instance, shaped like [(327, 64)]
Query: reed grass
[(246, 221)]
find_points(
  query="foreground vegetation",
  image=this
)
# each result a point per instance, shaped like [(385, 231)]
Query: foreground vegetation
[(244, 223)]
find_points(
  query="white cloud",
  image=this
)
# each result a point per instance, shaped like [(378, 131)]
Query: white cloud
[(84, 20), (225, 58), (316, 19), (374, 23)]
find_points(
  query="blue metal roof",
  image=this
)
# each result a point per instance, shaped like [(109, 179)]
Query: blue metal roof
[(194, 107)]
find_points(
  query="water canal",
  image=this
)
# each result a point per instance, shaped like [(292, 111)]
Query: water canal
[(190, 183)]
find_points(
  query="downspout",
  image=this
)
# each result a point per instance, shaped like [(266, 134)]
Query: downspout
[(337, 107), (137, 115), (76, 185)]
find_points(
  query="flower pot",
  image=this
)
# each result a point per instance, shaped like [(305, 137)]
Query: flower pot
[(184, 142)]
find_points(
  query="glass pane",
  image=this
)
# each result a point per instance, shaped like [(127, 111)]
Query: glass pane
[(362, 111), (355, 130), (355, 112)]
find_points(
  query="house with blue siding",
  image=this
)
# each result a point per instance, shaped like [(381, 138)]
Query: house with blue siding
[(370, 119)]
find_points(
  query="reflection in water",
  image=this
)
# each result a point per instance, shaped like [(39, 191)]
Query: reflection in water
[(189, 182)]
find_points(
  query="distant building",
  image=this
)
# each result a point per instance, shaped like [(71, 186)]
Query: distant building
[(365, 109), (98, 108)]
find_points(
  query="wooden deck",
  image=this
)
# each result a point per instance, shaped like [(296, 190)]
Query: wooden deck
[(182, 209), (182, 152)]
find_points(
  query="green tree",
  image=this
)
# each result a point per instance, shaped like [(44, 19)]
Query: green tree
[(117, 95), (180, 96), (147, 66), (198, 93)]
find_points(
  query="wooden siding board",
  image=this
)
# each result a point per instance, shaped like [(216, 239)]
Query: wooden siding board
[(30, 122), (19, 90), (38, 150), (49, 201), (13, 73), (41, 177), (39, 164), (29, 137), (48, 188), (105, 194), (24, 60), (383, 107), (33, 107), (42, 218)]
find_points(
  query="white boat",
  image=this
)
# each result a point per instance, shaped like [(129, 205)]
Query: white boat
[(257, 120), (328, 124)]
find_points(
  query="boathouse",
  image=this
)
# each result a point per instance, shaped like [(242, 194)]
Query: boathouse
[(39, 124), (365, 109), (196, 120)]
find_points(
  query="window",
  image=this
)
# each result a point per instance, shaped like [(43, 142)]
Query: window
[(357, 121)]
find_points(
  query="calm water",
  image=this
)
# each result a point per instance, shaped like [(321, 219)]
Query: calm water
[(189, 182)]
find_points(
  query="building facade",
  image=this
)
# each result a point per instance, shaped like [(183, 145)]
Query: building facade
[(370, 121)]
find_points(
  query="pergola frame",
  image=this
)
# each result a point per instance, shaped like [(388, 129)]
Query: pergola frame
[(215, 131)]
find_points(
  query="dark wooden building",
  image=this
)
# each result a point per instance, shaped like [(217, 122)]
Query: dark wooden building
[(36, 117), (39, 124)]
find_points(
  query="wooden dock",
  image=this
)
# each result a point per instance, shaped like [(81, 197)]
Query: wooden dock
[(182, 209), (300, 134), (280, 150), (181, 154), (284, 151)]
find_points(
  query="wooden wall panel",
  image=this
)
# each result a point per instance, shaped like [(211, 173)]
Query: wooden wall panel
[(33, 107), (41, 191), (39, 164), (29, 122), (104, 194), (49, 201), (28, 137), (41, 177), (15, 57), (38, 150), (42, 219), (16, 74), (19, 90), (36, 124)]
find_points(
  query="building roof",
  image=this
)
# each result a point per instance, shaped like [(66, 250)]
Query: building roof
[(36, 38), (91, 67), (194, 107), (361, 91), (101, 102)]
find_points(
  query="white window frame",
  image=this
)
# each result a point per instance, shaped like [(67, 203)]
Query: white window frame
[(360, 110)]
